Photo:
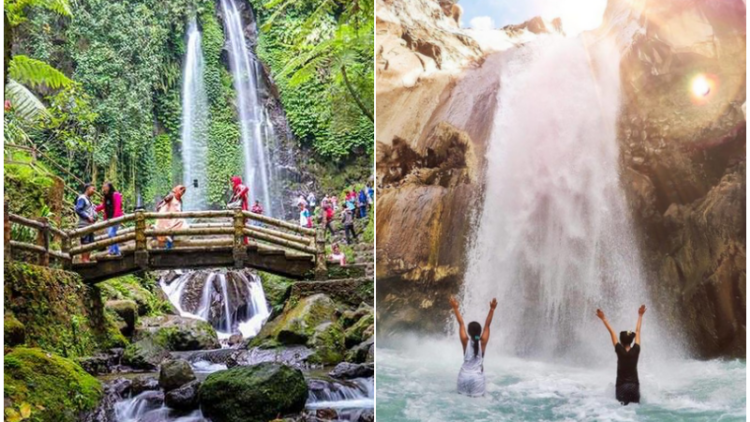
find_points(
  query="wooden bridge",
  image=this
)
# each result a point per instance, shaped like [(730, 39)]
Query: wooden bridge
[(215, 239)]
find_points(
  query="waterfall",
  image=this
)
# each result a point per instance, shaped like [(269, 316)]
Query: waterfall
[(244, 311), (149, 406), (251, 114), (554, 241), (194, 123)]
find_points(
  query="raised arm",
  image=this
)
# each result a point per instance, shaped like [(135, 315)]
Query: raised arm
[(461, 326), (486, 333), (641, 311), (601, 316)]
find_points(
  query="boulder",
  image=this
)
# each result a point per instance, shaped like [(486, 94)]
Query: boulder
[(183, 398), (145, 354), (178, 333), (367, 416), (295, 356), (363, 352), (346, 370), (355, 334), (298, 323), (174, 374), (14, 332), (143, 383), (102, 363), (326, 414), (127, 310), (349, 318), (257, 393), (328, 343)]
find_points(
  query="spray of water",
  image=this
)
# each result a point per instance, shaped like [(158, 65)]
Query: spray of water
[(554, 241), (194, 123), (250, 110)]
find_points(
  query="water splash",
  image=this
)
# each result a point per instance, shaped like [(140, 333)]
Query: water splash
[(245, 74), (554, 241), (194, 123)]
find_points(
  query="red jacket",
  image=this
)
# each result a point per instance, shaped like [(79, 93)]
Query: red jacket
[(117, 202), (240, 191)]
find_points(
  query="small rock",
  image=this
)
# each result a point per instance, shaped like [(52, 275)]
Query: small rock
[(346, 370), (175, 373), (235, 339), (127, 310), (183, 398), (367, 416), (14, 332), (326, 414), (143, 383)]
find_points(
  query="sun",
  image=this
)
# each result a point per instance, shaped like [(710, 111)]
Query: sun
[(701, 86)]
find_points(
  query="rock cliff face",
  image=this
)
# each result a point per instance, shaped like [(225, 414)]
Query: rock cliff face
[(682, 156)]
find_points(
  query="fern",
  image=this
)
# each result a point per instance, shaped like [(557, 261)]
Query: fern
[(36, 73), (25, 104)]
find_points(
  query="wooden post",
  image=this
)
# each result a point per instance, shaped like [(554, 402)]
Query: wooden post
[(6, 220), (66, 246), (42, 239), (239, 251), (321, 267), (141, 245)]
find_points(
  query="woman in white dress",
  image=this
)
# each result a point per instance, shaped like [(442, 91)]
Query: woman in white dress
[(471, 375)]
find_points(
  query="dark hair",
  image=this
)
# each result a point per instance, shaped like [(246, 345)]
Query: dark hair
[(475, 330), (109, 200), (86, 187), (626, 337)]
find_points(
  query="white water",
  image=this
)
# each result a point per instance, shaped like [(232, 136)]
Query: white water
[(258, 307), (417, 382), (554, 241), (194, 123), (251, 113), (149, 406)]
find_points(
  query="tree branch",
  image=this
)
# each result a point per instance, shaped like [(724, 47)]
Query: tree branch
[(354, 95)]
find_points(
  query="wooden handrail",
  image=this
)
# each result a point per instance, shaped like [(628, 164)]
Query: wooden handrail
[(101, 244), (83, 231), (188, 214), (279, 223), (279, 241)]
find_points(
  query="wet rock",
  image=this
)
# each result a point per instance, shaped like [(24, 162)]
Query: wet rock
[(356, 333), (349, 317), (346, 370), (295, 356), (367, 416), (102, 363), (235, 339), (183, 398), (144, 354), (256, 393), (326, 414), (363, 352), (143, 383), (114, 391), (174, 374)]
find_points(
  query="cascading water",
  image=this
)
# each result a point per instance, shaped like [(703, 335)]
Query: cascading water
[(554, 217), (194, 123), (251, 113), (215, 304), (553, 243)]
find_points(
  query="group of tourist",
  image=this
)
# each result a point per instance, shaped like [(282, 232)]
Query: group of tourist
[(356, 205)]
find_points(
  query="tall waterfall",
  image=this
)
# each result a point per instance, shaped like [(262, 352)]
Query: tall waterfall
[(253, 122), (194, 123), (554, 241)]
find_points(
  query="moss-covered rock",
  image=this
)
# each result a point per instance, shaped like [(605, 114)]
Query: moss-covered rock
[(175, 373), (328, 343), (298, 322), (356, 333), (350, 317), (61, 314), (178, 333), (14, 331), (127, 310), (147, 295), (363, 352), (145, 354), (257, 393), (55, 388), (276, 289)]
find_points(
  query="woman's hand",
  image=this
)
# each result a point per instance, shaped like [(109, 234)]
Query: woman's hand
[(600, 314), (453, 302), (642, 310), (493, 304)]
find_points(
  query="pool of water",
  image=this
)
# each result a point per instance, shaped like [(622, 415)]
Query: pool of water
[(418, 383)]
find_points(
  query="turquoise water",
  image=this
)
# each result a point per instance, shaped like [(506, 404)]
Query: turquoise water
[(418, 383)]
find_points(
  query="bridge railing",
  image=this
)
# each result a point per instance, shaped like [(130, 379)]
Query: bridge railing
[(231, 230)]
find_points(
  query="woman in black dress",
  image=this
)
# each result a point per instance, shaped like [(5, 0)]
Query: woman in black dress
[(627, 387)]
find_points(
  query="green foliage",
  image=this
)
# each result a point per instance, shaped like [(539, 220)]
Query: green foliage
[(52, 388), (24, 103), (308, 45), (141, 290), (16, 10), (36, 73)]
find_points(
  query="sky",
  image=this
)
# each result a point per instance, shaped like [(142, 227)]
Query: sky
[(577, 15)]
